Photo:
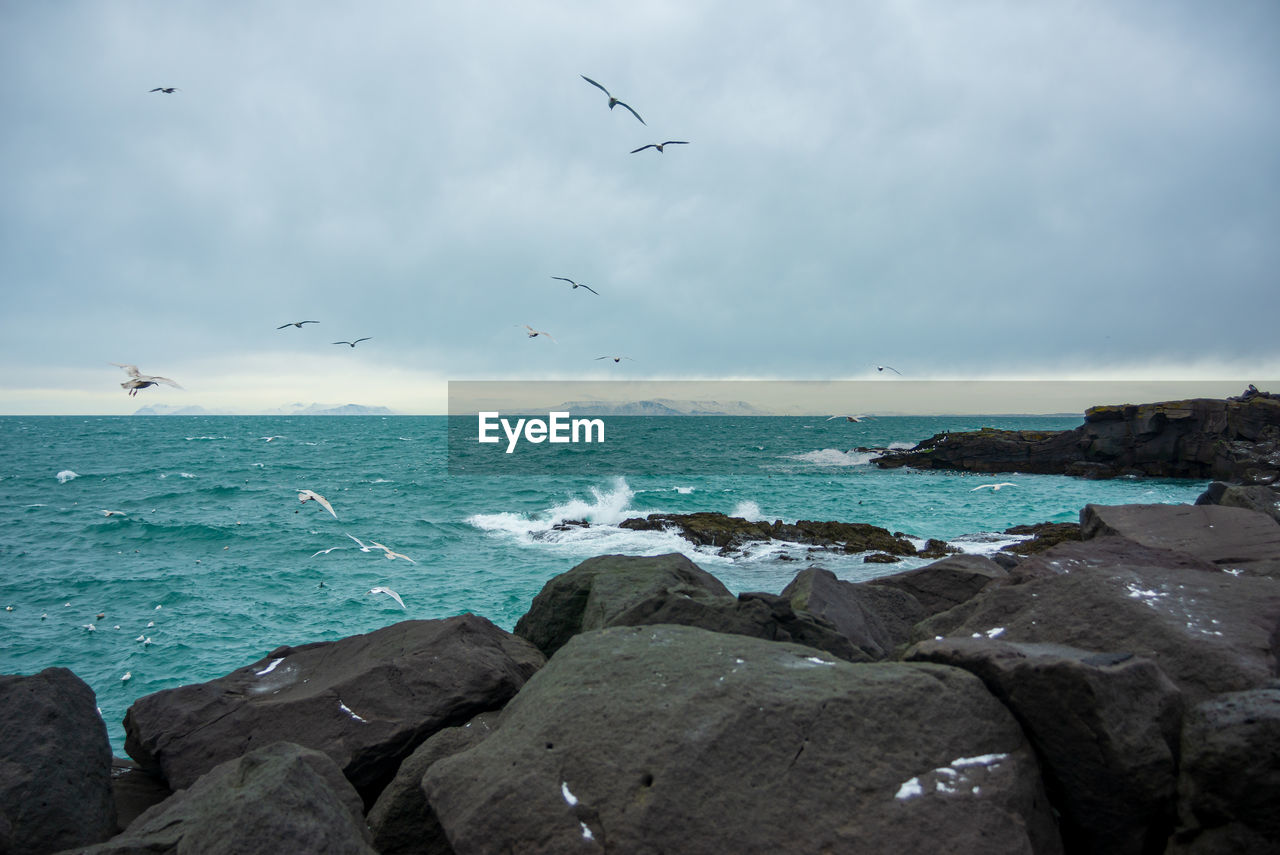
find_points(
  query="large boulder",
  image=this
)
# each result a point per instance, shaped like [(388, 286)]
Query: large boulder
[(1234, 539), (367, 701), (276, 799), (878, 619), (1230, 786), (55, 764), (1209, 631), (675, 739), (1105, 727), (401, 820), (946, 583), (622, 590)]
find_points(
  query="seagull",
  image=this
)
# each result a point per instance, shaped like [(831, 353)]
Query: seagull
[(391, 554), (613, 102), (614, 358), (354, 343), (308, 495), (993, 486), (535, 333), (849, 418), (138, 380), (128, 675), (326, 551), (113, 513), (363, 548), (168, 90), (297, 324), (383, 590), (577, 284), (890, 367), (659, 146)]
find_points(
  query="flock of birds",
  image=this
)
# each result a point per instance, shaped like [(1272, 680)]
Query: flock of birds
[(305, 496)]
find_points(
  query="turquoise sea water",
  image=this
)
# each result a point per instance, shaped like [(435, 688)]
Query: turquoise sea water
[(212, 563)]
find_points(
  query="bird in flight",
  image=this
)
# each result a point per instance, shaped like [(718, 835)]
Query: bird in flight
[(613, 102), (577, 284), (168, 90), (390, 593), (535, 333), (993, 486), (311, 495), (354, 343), (614, 358), (138, 380), (659, 146), (849, 418), (890, 367), (391, 553), (297, 324)]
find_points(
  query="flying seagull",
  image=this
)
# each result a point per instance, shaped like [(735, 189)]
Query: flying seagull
[(614, 358), (849, 418), (168, 90), (361, 543), (993, 486), (659, 146), (535, 333), (390, 553), (297, 324), (577, 284), (890, 367), (613, 102), (354, 343), (309, 495), (106, 513), (390, 593), (139, 380)]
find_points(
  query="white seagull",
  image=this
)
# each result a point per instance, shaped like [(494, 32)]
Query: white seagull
[(535, 333), (310, 495), (577, 284), (993, 486), (659, 146), (106, 513), (327, 551), (138, 380), (390, 593), (361, 543), (850, 418), (297, 324), (390, 553), (613, 102)]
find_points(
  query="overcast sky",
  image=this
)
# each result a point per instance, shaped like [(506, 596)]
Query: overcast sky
[(957, 188)]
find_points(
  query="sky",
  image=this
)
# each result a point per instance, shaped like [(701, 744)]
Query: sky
[(1072, 189)]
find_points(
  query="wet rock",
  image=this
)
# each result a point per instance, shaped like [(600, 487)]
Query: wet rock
[(878, 619), (667, 738), (367, 701), (55, 764), (733, 533)]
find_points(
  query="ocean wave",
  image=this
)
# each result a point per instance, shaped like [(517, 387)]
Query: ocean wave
[(747, 510), (835, 457)]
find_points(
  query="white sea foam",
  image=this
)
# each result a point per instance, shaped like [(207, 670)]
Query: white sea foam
[(747, 510), (66, 475), (834, 457)]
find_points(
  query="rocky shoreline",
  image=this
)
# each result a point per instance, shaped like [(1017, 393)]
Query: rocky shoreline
[(1114, 693)]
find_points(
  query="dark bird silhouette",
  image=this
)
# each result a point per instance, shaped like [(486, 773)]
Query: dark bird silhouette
[(890, 367), (613, 102), (168, 90), (659, 146), (297, 324), (577, 284), (614, 358), (354, 343)]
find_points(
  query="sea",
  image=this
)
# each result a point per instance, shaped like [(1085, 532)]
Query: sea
[(209, 560)]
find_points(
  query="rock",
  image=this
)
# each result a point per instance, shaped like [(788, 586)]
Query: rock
[(135, 789), (367, 701), (1209, 631), (1231, 538), (877, 619), (1255, 498), (946, 583), (674, 739), (401, 820), (1042, 536), (1105, 727), (622, 590), (1230, 784), (1230, 440), (55, 764), (732, 533), (276, 799)]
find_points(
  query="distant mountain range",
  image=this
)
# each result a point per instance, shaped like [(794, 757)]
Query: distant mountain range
[(290, 410), (660, 407)]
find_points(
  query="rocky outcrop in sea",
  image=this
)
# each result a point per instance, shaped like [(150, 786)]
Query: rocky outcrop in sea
[(1115, 693), (1233, 440)]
